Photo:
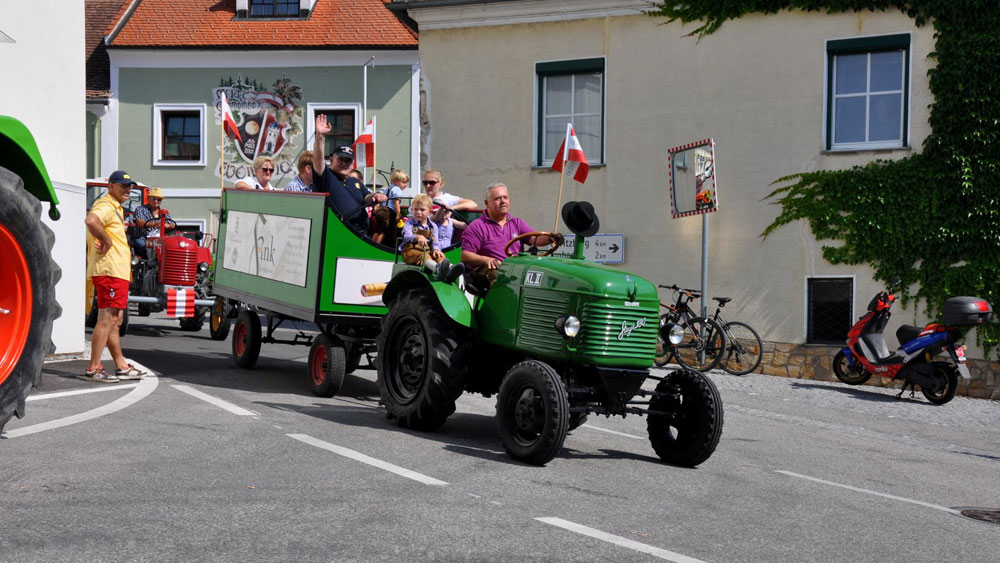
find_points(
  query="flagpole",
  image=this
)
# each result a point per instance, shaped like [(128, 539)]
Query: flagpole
[(374, 148), (562, 173), (222, 159)]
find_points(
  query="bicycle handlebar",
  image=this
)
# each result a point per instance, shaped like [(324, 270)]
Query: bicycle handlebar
[(693, 293)]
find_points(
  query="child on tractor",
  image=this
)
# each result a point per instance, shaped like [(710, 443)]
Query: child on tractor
[(421, 242)]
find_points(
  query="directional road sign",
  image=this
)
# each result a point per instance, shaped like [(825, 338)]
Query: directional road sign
[(608, 248)]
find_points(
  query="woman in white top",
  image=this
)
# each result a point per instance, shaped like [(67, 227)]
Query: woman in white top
[(263, 169)]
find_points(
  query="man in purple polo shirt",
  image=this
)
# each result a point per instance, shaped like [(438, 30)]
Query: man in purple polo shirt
[(485, 238)]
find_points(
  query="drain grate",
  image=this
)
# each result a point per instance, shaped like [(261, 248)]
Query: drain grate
[(982, 514)]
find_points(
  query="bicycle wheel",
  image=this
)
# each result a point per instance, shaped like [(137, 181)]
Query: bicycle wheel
[(744, 348), (703, 346), (664, 350)]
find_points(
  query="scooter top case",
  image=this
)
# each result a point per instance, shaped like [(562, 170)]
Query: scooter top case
[(965, 311)]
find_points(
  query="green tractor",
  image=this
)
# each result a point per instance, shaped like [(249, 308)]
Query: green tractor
[(555, 339), (28, 274)]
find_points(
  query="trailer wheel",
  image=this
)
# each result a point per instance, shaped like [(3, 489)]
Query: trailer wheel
[(420, 366), (220, 321), (685, 421), (532, 412), (27, 294), (326, 365), (246, 340)]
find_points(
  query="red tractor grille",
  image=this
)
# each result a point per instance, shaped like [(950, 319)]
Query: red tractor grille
[(180, 265)]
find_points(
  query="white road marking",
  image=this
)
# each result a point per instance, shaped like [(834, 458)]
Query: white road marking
[(141, 391), (357, 456), (870, 492), (44, 396), (615, 432), (225, 405), (623, 542)]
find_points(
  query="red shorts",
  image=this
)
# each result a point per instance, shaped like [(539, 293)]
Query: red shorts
[(111, 292)]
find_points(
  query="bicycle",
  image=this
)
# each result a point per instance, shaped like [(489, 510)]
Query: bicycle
[(696, 342), (744, 348)]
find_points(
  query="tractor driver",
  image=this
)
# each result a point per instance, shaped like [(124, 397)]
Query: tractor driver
[(485, 238), (346, 193), (147, 221)]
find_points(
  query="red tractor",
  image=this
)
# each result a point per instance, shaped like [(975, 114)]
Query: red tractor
[(174, 275)]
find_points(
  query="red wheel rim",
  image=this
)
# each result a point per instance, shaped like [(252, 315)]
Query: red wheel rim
[(240, 339), (15, 302), (318, 364)]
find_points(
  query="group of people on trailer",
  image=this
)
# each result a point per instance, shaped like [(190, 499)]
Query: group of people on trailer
[(425, 231)]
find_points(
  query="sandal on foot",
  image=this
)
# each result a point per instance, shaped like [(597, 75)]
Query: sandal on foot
[(98, 375), (131, 372)]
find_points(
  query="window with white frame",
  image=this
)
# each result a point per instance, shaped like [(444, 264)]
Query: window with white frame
[(829, 309), (344, 120), (179, 135), (868, 92), (570, 92)]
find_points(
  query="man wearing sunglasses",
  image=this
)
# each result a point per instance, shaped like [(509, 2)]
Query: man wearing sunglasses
[(147, 221), (345, 193)]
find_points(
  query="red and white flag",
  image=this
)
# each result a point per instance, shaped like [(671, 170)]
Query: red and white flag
[(364, 147), (571, 153), (180, 302), (228, 122)]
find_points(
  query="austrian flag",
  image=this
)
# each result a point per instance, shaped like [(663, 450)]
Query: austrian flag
[(180, 302), (571, 153), (228, 122), (364, 147)]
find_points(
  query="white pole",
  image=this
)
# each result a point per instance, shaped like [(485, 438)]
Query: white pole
[(364, 104)]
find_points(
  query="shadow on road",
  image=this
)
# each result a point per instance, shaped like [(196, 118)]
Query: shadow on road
[(866, 393)]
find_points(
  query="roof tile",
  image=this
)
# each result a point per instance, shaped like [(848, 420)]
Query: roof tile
[(212, 23)]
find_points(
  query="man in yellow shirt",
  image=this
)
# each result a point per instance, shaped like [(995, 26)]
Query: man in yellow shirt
[(109, 262)]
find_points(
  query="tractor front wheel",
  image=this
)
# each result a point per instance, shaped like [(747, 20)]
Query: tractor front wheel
[(532, 412), (685, 418)]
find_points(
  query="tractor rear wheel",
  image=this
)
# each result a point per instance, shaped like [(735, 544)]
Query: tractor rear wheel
[(685, 420), (326, 365), (27, 294), (246, 340), (421, 366), (533, 412)]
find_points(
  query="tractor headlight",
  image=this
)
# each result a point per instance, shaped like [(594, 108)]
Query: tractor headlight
[(135, 260), (203, 267), (675, 333), (568, 325)]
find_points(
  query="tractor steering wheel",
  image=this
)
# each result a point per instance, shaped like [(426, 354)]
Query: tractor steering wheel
[(555, 241)]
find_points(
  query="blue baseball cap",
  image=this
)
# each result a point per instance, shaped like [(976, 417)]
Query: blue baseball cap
[(120, 177)]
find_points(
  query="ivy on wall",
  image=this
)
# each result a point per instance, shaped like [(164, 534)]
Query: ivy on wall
[(933, 218)]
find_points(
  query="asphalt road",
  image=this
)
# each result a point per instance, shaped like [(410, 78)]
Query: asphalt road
[(207, 462)]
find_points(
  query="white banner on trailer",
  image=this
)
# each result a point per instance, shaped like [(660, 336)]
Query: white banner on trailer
[(268, 246)]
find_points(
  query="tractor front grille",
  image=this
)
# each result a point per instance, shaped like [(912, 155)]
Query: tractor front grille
[(539, 312), (614, 331), (180, 266)]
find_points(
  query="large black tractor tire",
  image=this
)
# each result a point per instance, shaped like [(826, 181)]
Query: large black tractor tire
[(246, 339), (220, 319), (685, 421), (27, 294), (195, 322), (844, 372), (947, 387), (532, 412), (421, 365), (326, 365)]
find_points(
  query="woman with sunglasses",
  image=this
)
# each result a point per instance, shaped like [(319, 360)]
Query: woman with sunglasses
[(450, 227), (263, 169)]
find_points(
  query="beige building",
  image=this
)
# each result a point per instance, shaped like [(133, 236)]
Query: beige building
[(779, 94)]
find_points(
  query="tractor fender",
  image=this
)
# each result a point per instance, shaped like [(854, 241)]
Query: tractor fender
[(451, 297)]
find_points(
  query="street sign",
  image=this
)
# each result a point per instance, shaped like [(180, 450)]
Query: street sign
[(607, 248)]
